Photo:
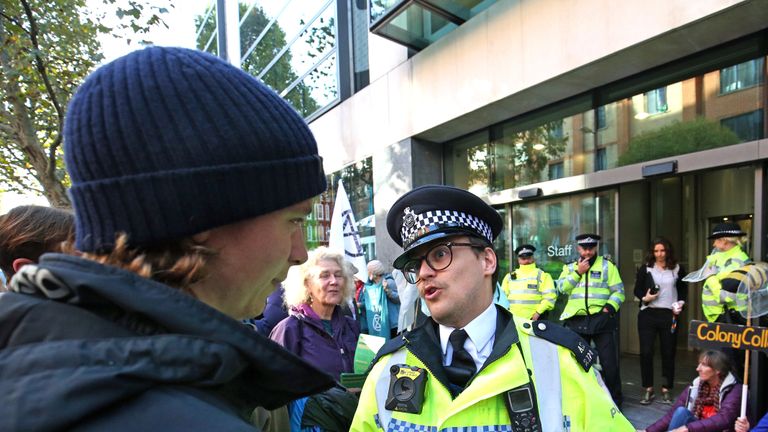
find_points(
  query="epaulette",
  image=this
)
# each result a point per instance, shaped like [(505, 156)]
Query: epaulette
[(557, 334), (608, 258)]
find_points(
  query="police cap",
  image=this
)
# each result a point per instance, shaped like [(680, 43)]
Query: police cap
[(525, 250), (587, 240), (433, 212), (726, 229)]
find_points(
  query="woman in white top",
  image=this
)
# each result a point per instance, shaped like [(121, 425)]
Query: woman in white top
[(662, 294)]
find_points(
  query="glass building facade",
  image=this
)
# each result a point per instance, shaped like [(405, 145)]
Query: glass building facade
[(716, 108), (295, 48)]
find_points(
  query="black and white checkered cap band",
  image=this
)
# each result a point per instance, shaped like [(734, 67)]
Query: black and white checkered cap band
[(587, 240), (418, 225), (732, 232)]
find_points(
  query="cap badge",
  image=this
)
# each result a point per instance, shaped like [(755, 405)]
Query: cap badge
[(409, 219)]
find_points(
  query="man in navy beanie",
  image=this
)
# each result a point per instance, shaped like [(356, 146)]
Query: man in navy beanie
[(190, 183)]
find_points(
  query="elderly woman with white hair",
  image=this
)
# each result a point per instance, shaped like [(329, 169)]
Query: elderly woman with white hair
[(316, 329), (379, 302)]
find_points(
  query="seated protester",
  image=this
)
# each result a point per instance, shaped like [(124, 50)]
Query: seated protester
[(710, 404), (26, 232), (317, 329), (742, 425)]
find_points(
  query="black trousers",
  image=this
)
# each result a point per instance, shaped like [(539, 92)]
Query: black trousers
[(608, 353), (652, 322)]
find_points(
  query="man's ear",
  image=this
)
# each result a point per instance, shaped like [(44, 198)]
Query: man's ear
[(20, 262), (489, 261), (201, 237)]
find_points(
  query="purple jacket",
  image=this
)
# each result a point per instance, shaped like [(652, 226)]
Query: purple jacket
[(303, 334), (730, 405)]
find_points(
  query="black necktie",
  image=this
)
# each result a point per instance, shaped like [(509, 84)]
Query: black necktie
[(462, 366)]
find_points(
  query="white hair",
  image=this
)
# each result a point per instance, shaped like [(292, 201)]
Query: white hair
[(296, 290)]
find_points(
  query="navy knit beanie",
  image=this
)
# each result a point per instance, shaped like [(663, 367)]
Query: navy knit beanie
[(165, 142)]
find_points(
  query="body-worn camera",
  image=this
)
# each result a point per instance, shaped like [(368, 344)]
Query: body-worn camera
[(406, 389)]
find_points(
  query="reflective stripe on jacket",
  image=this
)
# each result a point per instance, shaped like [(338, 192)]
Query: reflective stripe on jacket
[(714, 300), (532, 291), (568, 397), (600, 285)]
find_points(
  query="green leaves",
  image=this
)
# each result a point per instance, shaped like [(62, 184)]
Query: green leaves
[(47, 48)]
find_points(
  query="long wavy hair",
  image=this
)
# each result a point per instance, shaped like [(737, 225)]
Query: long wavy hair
[(670, 261), (178, 263)]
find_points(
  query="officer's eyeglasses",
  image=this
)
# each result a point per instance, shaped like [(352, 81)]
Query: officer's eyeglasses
[(438, 257)]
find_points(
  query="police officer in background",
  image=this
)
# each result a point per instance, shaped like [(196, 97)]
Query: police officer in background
[(595, 293), (472, 364), (530, 291), (720, 305)]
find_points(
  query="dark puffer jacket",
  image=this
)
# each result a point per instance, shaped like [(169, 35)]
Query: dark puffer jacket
[(85, 346)]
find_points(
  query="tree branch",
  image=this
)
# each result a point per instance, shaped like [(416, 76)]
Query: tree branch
[(41, 69), (14, 21)]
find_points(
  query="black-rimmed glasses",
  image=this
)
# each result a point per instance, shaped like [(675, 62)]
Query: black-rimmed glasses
[(438, 257)]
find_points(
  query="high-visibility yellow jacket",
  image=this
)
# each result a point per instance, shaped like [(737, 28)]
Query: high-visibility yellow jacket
[(569, 395), (601, 285), (714, 300), (531, 291)]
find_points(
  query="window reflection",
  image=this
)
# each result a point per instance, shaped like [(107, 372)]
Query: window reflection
[(698, 113)]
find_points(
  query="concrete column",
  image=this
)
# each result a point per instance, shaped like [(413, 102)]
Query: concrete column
[(397, 169)]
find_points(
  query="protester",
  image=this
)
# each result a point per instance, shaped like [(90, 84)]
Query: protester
[(529, 290), (662, 294), (710, 404), (316, 329), (26, 232), (595, 294), (742, 425), (379, 302), (460, 369), (190, 184), (274, 312)]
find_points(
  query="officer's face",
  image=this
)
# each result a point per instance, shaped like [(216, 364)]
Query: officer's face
[(524, 260), (462, 291), (586, 252), (722, 244)]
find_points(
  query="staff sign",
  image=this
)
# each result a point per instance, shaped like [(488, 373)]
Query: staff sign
[(714, 335)]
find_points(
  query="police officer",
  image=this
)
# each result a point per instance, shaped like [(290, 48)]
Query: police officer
[(472, 364), (530, 291), (595, 293), (718, 304)]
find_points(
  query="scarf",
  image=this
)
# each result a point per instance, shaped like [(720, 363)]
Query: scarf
[(707, 401)]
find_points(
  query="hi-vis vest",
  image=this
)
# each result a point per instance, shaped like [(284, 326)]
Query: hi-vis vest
[(531, 291), (714, 300), (568, 397), (600, 285)]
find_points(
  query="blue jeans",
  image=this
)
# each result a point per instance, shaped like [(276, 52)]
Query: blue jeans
[(681, 417)]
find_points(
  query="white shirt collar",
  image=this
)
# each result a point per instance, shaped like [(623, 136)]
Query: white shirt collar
[(480, 330)]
